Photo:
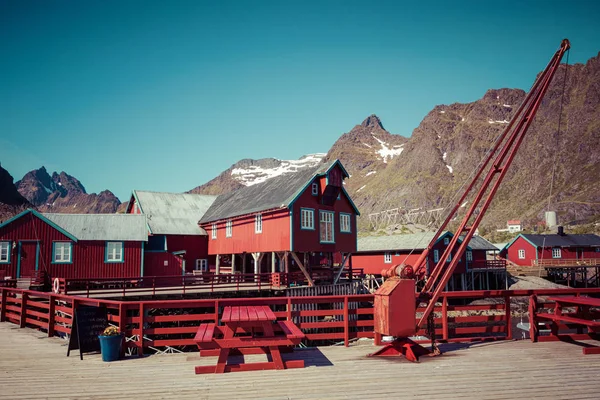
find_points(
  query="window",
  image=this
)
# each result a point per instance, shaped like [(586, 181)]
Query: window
[(345, 223), (449, 258), (469, 255), (446, 241), (521, 254), (213, 231), (339, 196), (201, 264), (315, 189), (5, 252), (258, 223), (387, 258), (114, 252), (436, 256), (326, 226), (307, 219), (229, 229), (597, 249), (61, 252), (556, 253)]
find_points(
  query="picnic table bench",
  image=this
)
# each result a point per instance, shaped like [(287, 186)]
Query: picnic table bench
[(248, 330), (582, 316)]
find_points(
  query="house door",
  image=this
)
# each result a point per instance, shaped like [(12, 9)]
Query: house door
[(28, 255), (579, 253)]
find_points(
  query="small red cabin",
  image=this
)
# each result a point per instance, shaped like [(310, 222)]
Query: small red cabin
[(307, 215), (73, 245), (176, 244)]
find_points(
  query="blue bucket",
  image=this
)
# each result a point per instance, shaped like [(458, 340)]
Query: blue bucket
[(110, 347)]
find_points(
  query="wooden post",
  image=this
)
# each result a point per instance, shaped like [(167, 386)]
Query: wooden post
[(24, 296), (122, 326), (3, 305), (346, 323), (533, 328), (444, 318), (286, 263), (51, 311), (303, 269), (233, 263), (244, 263), (273, 262), (217, 266), (350, 267), (140, 342), (289, 308), (339, 273)]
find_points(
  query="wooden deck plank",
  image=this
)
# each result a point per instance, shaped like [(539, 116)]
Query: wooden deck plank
[(501, 370)]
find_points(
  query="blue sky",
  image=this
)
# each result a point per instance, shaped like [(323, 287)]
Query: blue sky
[(164, 95)]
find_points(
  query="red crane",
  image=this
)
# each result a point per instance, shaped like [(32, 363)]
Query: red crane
[(395, 306)]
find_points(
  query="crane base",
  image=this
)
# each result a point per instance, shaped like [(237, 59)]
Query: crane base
[(403, 347)]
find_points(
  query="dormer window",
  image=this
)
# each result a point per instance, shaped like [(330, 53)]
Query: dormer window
[(315, 189)]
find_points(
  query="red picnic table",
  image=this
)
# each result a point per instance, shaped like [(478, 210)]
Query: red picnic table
[(248, 330), (581, 316)]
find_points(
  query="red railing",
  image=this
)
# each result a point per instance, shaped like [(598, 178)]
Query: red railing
[(167, 324)]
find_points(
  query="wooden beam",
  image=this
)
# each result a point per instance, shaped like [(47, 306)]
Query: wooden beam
[(339, 273), (217, 265), (302, 268), (273, 262), (233, 264)]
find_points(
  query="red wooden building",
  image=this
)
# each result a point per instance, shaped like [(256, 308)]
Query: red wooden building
[(376, 253), (559, 249), (298, 221), (176, 244), (73, 245)]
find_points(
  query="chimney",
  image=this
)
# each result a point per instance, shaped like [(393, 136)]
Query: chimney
[(561, 231)]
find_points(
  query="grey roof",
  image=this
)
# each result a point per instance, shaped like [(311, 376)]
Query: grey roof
[(276, 192), (417, 241), (102, 226), (173, 213), (567, 240)]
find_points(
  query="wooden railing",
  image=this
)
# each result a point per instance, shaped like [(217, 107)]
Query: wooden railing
[(487, 264), (171, 324), (567, 262)]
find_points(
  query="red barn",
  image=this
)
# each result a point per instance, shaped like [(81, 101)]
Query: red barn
[(307, 215), (553, 249), (176, 244), (376, 253), (73, 245)]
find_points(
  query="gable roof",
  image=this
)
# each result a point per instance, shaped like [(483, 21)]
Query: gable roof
[(567, 240), (417, 241), (43, 218), (173, 213), (126, 227), (274, 193)]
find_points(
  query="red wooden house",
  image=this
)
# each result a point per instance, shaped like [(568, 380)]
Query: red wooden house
[(376, 253), (176, 244), (307, 216), (73, 245), (553, 249)]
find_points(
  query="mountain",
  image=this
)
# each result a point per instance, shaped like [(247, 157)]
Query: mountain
[(11, 201), (63, 193), (249, 172)]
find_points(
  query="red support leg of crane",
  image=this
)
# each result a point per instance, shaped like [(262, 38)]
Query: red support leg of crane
[(403, 347)]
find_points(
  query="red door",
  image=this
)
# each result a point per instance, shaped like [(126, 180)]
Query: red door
[(28, 254)]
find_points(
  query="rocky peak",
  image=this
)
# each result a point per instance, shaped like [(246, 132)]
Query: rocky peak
[(11, 201), (373, 122), (66, 183)]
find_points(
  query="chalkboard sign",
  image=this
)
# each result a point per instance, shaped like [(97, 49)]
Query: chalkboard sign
[(88, 323)]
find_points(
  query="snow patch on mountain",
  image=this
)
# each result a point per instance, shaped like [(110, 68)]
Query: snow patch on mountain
[(255, 174), (491, 121), (371, 173), (386, 151)]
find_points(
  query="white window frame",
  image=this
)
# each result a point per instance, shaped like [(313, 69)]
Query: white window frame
[(5, 247), (469, 255), (307, 219), (387, 257), (315, 189), (521, 254), (258, 223), (62, 256), (326, 226), (114, 253), (446, 241), (202, 264), (229, 228), (213, 231), (436, 255), (345, 223), (449, 258), (556, 252)]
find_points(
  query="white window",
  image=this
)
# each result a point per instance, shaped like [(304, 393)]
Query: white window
[(436, 256), (307, 218), (201, 264), (469, 255), (387, 258), (315, 189), (326, 226), (4, 252), (228, 228), (556, 253), (521, 254), (258, 223), (345, 223), (114, 252), (446, 241), (61, 252), (449, 258), (214, 231)]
